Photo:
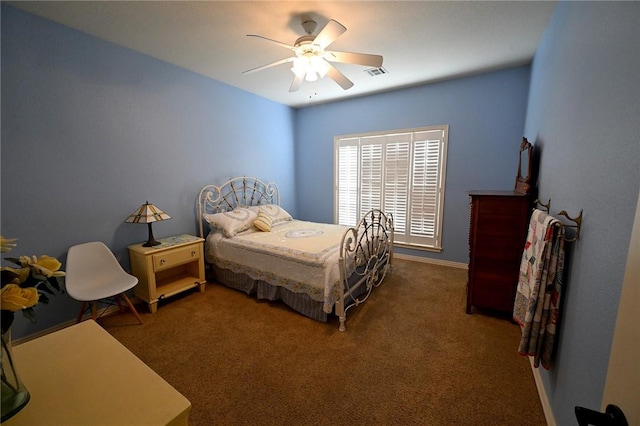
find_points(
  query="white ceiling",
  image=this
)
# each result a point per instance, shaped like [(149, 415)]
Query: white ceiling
[(421, 41)]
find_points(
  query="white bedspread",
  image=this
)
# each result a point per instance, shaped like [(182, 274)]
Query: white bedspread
[(300, 256)]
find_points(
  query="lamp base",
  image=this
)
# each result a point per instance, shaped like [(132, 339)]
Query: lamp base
[(151, 241)]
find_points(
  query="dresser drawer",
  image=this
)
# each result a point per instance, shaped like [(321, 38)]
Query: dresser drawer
[(175, 257), (501, 206)]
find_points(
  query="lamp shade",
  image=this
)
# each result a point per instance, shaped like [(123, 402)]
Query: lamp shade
[(148, 213)]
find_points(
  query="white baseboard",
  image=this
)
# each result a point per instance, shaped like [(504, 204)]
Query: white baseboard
[(542, 393), (430, 260)]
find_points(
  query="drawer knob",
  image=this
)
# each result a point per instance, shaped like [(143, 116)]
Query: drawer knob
[(193, 253), (162, 261)]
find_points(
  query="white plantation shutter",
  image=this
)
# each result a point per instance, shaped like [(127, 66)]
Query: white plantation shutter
[(370, 174), (397, 170), (401, 172), (347, 193), (425, 188)]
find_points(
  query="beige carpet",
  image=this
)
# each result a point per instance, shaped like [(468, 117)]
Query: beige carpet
[(410, 356)]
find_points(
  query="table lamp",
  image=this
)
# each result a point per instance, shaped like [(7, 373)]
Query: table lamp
[(148, 213)]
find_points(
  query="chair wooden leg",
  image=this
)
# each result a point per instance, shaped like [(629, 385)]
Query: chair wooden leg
[(94, 310), (119, 302), (84, 305), (133, 309)]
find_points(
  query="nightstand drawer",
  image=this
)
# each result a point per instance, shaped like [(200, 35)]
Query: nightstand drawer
[(175, 257)]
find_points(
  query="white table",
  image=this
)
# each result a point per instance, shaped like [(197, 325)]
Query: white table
[(81, 375)]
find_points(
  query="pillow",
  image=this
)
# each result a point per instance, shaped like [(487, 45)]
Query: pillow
[(274, 211), (263, 222), (232, 222)]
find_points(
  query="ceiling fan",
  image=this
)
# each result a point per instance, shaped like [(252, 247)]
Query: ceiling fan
[(312, 61)]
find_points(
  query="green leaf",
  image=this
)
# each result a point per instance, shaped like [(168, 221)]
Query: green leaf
[(30, 314), (53, 283), (45, 286), (38, 276), (50, 285), (44, 299), (60, 283), (13, 260), (29, 282)]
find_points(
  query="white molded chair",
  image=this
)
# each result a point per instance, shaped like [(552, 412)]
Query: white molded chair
[(93, 273)]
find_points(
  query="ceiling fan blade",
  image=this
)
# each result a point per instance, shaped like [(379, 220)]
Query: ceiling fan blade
[(339, 78), (296, 83), (354, 58), (329, 33), (279, 43), (272, 64)]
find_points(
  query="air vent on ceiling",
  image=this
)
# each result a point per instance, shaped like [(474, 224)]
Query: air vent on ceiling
[(376, 71)]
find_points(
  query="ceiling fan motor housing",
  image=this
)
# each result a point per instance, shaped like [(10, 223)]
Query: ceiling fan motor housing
[(304, 44), (309, 26)]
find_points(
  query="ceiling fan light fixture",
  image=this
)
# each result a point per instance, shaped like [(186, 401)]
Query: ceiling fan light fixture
[(311, 75), (300, 66), (311, 68), (319, 65)]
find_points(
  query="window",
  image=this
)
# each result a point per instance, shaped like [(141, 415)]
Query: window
[(401, 172)]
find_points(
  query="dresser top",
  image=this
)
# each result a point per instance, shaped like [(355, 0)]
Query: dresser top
[(497, 193)]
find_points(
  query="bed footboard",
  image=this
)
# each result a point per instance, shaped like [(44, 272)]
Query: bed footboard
[(366, 254)]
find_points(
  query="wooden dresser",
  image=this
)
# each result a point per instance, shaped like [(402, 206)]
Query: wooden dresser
[(497, 232)]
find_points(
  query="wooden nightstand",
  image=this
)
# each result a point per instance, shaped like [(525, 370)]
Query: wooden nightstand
[(176, 265)]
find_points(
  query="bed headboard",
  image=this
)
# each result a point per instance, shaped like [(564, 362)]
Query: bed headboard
[(236, 192)]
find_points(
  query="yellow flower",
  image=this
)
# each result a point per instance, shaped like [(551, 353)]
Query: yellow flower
[(45, 265), (6, 244), (15, 298)]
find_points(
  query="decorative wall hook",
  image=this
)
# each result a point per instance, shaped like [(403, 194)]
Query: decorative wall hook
[(577, 220), (547, 206), (578, 224)]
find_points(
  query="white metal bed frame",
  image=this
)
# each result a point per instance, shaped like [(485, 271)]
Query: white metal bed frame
[(366, 250)]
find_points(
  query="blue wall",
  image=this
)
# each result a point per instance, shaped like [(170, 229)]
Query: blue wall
[(485, 114), (584, 116), (91, 130)]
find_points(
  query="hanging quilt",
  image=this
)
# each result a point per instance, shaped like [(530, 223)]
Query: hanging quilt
[(537, 304)]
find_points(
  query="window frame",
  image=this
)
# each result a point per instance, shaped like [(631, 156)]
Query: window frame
[(422, 137)]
